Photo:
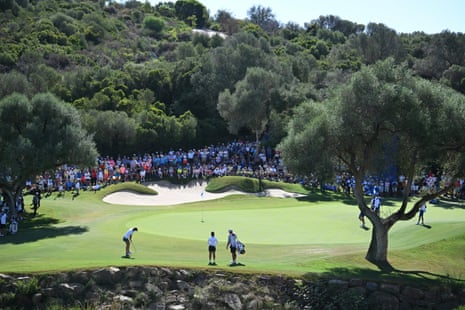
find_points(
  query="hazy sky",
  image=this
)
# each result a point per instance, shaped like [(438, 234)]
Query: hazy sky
[(429, 16)]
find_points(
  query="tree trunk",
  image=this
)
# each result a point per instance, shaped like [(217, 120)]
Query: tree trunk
[(11, 194), (11, 201), (377, 251)]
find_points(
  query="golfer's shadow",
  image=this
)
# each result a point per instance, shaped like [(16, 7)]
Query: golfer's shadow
[(127, 257), (365, 228), (237, 265), (426, 226)]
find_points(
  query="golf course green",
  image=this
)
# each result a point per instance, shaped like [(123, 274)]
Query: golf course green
[(319, 233)]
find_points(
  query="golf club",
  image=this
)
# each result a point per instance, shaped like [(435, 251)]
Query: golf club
[(133, 246)]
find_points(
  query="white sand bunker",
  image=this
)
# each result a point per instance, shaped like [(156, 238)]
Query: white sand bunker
[(172, 194)]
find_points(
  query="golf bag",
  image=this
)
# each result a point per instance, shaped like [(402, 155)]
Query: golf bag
[(240, 247)]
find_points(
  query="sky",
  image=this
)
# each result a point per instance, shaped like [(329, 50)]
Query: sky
[(404, 16)]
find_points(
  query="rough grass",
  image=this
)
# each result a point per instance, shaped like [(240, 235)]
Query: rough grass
[(317, 234)]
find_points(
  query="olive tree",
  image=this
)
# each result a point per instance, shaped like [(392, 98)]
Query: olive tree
[(249, 105), (37, 135), (380, 106)]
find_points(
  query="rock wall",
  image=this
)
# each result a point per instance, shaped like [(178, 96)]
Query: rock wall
[(177, 289)]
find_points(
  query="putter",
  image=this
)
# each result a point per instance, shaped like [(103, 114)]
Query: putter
[(134, 246)]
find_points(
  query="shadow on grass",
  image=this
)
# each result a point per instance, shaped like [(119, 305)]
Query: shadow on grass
[(317, 195), (450, 203), (41, 227), (417, 277)]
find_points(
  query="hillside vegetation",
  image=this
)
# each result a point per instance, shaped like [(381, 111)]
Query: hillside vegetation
[(144, 81)]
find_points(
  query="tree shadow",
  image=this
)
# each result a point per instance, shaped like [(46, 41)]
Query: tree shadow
[(39, 220), (346, 199), (317, 195), (449, 203), (417, 277), (41, 227)]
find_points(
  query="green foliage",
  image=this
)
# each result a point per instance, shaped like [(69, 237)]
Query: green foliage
[(94, 33), (309, 119), (320, 49), (9, 54), (345, 58), (165, 9), (188, 123), (192, 12), (12, 82), (28, 286), (154, 24), (263, 17), (7, 59), (336, 25), (100, 55), (10, 5), (249, 105), (114, 132), (378, 43), (8, 299), (455, 78), (254, 29), (382, 117), (201, 39), (64, 23), (226, 22), (45, 131)]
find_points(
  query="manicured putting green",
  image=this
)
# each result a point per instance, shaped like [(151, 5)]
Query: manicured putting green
[(315, 224), (271, 226)]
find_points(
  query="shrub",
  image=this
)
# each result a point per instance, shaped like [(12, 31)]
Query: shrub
[(154, 24), (7, 59), (28, 287)]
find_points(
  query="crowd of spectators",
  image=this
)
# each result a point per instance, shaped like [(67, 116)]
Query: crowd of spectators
[(235, 158), (393, 186), (238, 158)]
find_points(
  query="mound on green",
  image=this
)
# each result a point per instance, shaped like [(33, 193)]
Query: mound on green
[(127, 186), (251, 185)]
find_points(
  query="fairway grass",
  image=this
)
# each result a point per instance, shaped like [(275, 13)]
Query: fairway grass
[(291, 236)]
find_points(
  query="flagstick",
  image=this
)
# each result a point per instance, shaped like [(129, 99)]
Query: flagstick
[(202, 194)]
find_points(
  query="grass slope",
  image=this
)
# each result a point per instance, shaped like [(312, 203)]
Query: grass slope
[(316, 234)]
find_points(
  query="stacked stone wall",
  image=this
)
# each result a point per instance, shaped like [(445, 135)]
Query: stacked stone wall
[(177, 289)]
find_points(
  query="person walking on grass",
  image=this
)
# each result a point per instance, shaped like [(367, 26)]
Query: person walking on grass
[(421, 213), (3, 218), (232, 245), (361, 217), (212, 242), (127, 238), (376, 204)]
